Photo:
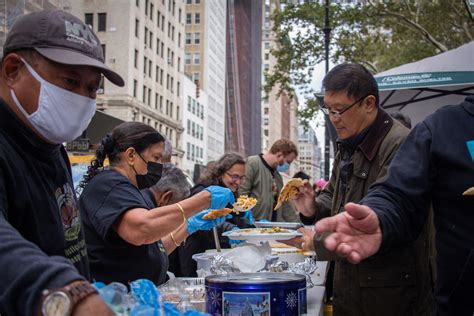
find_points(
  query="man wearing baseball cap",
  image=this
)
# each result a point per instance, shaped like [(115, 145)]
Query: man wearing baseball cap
[(50, 72)]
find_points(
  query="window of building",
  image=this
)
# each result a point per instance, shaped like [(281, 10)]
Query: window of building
[(267, 56), (195, 77), (198, 1), (146, 36), (162, 22), (157, 73), (197, 18), (265, 121), (179, 63), (162, 49), (188, 151), (158, 18), (179, 39), (161, 105), (146, 7), (194, 106), (137, 25), (149, 68), (169, 29), (178, 88), (156, 102), (144, 94), (187, 59), (135, 83), (265, 110), (189, 18), (197, 38), (89, 19), (157, 46), (179, 15), (171, 109), (189, 1), (150, 42), (161, 76), (265, 132), (102, 25), (148, 101), (197, 58), (151, 11), (267, 45), (266, 67), (137, 3), (145, 64), (188, 38)]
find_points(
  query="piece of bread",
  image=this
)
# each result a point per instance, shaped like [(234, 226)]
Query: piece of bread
[(469, 191), (291, 188), (213, 214)]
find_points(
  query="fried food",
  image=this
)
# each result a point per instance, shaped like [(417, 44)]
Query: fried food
[(469, 191), (290, 189), (213, 214), (244, 203)]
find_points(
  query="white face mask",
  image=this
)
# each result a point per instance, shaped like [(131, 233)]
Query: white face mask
[(61, 115)]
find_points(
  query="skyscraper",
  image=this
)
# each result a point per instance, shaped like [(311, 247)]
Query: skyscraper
[(205, 65), (143, 40), (243, 78)]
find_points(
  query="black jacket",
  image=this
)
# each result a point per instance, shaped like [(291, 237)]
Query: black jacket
[(41, 235), (435, 165), (181, 261)]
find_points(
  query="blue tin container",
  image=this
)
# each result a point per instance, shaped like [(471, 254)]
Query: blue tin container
[(262, 294)]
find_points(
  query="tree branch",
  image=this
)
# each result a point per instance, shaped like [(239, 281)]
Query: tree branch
[(419, 28), (468, 9)]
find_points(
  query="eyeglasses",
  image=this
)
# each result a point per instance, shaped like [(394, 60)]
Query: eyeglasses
[(235, 177), (338, 114)]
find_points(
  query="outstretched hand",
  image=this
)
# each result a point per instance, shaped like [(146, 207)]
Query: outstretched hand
[(356, 233), (197, 222)]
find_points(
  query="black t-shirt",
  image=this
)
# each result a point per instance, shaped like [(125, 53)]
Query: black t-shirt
[(40, 224), (104, 200)]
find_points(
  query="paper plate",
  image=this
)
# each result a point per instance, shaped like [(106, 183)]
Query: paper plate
[(255, 235)]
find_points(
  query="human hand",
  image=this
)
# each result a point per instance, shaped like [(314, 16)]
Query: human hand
[(220, 196), (92, 305), (303, 202), (196, 222), (304, 242), (248, 216), (356, 233)]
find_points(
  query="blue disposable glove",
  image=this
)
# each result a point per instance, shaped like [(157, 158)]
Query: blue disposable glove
[(234, 242), (248, 216), (220, 197), (196, 222), (263, 221)]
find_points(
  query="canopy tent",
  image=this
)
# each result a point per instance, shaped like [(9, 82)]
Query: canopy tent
[(418, 89)]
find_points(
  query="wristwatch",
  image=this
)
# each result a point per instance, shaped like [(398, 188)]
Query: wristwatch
[(61, 302)]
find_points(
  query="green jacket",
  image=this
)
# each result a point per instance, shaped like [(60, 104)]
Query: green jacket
[(258, 184), (393, 283)]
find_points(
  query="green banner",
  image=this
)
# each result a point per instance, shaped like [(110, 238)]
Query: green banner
[(424, 79)]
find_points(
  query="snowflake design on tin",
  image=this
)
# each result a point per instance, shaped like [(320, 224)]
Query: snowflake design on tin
[(215, 298), (291, 300)]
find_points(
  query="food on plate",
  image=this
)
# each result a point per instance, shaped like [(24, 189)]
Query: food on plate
[(244, 203), (469, 191), (291, 188), (273, 230), (213, 214)]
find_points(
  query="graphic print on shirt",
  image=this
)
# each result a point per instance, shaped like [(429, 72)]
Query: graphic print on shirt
[(69, 212)]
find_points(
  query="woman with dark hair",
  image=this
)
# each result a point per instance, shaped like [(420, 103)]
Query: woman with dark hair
[(123, 229), (227, 172)]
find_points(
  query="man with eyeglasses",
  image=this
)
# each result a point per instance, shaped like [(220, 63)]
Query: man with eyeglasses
[(392, 283)]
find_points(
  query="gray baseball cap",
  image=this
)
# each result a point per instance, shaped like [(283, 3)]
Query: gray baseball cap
[(60, 37)]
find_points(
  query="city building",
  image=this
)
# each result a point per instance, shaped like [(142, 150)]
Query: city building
[(279, 112), (194, 120), (310, 154), (204, 63), (143, 41), (11, 10), (243, 118)]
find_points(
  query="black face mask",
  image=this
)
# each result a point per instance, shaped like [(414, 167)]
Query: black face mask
[(145, 181)]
